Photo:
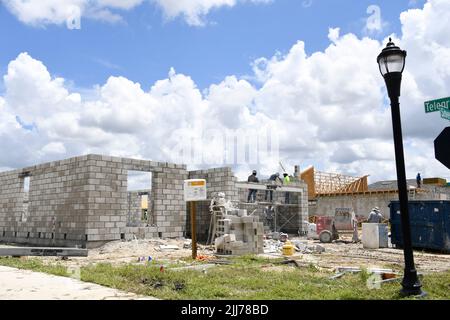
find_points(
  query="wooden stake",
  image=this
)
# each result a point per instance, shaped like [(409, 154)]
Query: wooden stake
[(193, 231)]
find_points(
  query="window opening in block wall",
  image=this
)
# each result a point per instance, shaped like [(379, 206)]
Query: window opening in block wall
[(139, 185), (25, 183)]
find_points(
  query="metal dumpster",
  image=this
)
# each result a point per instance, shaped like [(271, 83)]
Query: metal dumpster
[(430, 224)]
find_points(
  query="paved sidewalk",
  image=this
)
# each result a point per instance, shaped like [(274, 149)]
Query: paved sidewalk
[(18, 284)]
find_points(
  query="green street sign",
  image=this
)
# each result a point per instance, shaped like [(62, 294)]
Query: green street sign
[(437, 105), (445, 114)]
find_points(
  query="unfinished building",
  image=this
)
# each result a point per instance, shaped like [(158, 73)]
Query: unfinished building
[(84, 201), (288, 217), (327, 192)]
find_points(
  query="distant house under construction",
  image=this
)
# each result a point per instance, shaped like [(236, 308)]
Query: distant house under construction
[(328, 191)]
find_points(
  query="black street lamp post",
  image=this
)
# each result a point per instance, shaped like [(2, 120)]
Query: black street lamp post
[(392, 63)]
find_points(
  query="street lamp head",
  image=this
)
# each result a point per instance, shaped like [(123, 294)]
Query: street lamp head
[(391, 62), (391, 59)]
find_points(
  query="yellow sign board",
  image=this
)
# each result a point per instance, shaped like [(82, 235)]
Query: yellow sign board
[(197, 183), (195, 190)]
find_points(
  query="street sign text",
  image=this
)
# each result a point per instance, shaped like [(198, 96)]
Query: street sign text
[(437, 105)]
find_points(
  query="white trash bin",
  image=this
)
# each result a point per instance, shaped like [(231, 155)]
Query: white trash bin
[(374, 235)]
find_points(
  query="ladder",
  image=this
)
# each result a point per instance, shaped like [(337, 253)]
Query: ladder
[(217, 213)]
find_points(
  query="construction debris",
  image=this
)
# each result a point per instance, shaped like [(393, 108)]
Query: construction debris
[(205, 258), (340, 271), (301, 246), (198, 267), (168, 247), (347, 269), (385, 274), (187, 244), (42, 252), (304, 247), (272, 246), (290, 261)]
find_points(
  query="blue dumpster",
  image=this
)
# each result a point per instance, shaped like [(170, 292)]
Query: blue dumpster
[(430, 224)]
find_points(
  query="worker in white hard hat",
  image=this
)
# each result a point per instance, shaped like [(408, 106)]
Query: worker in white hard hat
[(375, 216)]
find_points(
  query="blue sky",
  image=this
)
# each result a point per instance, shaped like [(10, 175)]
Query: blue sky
[(146, 45), (326, 101)]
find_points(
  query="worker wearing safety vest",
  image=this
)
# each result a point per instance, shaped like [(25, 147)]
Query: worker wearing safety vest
[(286, 182)]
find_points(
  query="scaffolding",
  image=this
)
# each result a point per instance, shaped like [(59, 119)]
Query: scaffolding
[(286, 217)]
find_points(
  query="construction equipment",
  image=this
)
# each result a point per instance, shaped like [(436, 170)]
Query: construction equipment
[(329, 228)]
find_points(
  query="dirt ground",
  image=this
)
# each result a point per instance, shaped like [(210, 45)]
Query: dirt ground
[(126, 252), (351, 254), (337, 254)]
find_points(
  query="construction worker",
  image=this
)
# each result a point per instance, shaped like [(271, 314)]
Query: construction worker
[(375, 216), (274, 179), (355, 237), (286, 181), (269, 213), (252, 192), (419, 180)]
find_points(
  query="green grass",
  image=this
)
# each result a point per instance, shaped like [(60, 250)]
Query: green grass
[(243, 279)]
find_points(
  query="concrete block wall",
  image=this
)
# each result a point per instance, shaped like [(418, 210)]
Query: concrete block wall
[(58, 203), (132, 233), (362, 204), (217, 180), (134, 213), (240, 235), (83, 201), (168, 207)]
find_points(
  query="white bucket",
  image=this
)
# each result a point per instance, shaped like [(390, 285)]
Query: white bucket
[(374, 235)]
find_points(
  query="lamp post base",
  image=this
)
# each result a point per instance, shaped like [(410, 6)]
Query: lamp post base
[(417, 293), (412, 286)]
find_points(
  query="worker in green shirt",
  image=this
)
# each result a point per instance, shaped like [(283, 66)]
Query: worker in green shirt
[(286, 181)]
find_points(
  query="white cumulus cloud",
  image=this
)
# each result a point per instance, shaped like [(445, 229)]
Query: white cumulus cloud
[(44, 12), (195, 11), (328, 108)]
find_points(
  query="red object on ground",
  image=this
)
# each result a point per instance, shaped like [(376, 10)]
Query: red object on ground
[(324, 223), (161, 269), (204, 258)]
